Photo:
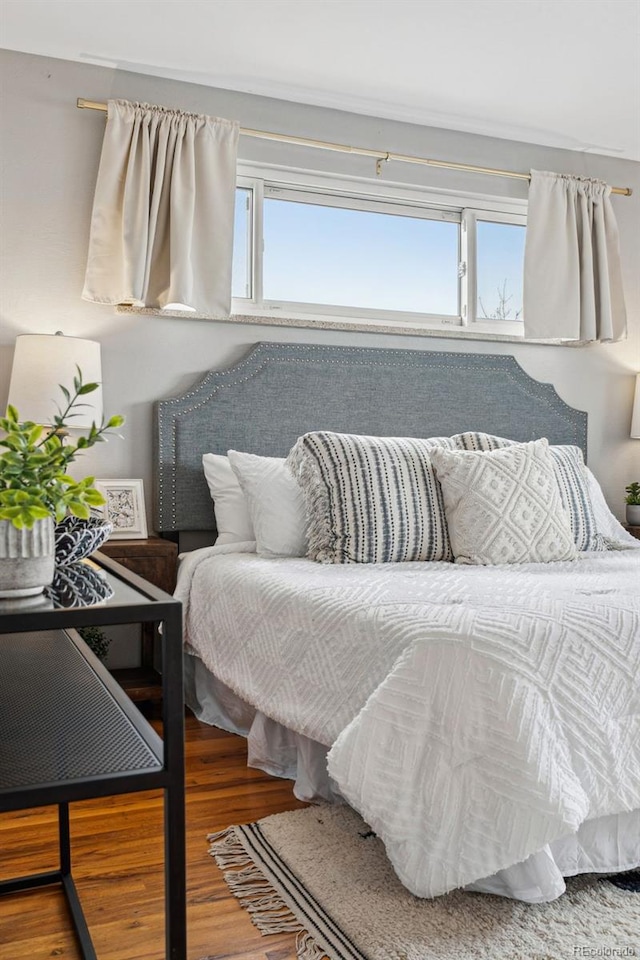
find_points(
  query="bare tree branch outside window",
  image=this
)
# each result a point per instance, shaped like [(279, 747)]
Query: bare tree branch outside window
[(503, 310)]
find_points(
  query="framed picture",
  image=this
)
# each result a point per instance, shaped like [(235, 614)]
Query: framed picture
[(124, 508)]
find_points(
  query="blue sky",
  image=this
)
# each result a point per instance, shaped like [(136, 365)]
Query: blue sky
[(500, 258), (355, 258)]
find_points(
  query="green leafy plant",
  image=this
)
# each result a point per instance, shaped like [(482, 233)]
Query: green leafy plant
[(632, 494), (34, 482), (97, 641)]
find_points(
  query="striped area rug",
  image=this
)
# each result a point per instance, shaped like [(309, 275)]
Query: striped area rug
[(322, 873)]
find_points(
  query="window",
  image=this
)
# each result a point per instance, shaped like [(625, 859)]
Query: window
[(356, 256), (310, 245), (500, 265)]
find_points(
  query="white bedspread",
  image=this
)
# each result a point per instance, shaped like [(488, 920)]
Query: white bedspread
[(502, 704)]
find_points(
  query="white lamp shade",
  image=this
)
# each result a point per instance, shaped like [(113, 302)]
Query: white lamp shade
[(43, 362), (635, 416)]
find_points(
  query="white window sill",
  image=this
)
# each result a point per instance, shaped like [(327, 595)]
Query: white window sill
[(442, 330)]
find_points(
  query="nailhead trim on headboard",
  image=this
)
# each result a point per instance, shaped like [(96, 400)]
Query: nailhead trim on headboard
[(262, 403)]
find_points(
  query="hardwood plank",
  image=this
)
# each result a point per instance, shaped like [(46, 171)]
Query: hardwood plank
[(117, 850)]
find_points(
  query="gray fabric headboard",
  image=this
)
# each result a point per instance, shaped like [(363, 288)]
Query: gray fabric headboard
[(282, 390)]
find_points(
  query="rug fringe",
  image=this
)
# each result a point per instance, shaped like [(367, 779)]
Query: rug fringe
[(307, 948), (268, 912), (227, 850)]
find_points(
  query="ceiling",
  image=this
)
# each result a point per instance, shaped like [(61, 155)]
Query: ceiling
[(563, 73)]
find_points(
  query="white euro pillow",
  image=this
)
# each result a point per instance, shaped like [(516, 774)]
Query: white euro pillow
[(229, 502), (275, 501)]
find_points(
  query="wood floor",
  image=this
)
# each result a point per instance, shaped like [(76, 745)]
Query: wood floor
[(117, 849)]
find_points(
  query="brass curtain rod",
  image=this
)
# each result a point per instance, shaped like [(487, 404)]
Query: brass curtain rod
[(379, 155)]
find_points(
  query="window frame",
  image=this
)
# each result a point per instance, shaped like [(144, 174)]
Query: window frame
[(381, 196), (469, 265), (250, 251)]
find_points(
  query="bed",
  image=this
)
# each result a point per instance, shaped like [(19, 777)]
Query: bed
[(407, 675)]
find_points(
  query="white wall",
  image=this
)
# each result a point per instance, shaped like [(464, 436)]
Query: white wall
[(50, 152)]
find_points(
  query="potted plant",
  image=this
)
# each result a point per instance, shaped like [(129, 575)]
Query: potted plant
[(36, 490), (632, 501), (97, 641)]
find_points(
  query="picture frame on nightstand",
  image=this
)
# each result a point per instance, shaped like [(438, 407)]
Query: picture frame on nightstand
[(124, 508)]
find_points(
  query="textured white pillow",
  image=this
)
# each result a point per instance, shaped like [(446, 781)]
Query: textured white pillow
[(276, 505), (229, 502), (504, 506), (570, 469)]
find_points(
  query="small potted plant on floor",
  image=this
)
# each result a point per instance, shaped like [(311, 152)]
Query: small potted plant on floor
[(632, 501), (36, 491)]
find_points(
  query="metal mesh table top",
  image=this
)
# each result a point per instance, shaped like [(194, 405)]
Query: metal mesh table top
[(58, 720)]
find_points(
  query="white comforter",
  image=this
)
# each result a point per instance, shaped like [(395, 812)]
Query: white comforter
[(502, 704)]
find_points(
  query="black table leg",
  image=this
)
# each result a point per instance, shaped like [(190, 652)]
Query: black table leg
[(174, 794), (80, 927)]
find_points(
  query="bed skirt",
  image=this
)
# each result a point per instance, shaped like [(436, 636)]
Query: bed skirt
[(270, 746), (606, 845)]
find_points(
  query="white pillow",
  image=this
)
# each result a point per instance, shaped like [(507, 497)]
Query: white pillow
[(229, 502), (569, 466), (504, 506), (276, 504)]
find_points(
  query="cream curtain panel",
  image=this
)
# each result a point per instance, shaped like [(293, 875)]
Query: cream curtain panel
[(572, 274), (163, 212)]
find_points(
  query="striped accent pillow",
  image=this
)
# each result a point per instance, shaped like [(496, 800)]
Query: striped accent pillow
[(571, 475), (371, 499)]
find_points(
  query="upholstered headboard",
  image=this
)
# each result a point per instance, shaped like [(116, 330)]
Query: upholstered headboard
[(282, 390)]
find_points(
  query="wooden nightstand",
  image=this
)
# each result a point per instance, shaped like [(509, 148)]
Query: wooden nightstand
[(156, 560), (634, 531)]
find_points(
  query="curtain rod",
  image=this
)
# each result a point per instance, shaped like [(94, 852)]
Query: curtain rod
[(379, 155)]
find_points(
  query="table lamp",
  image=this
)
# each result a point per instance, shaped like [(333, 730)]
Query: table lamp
[(43, 362)]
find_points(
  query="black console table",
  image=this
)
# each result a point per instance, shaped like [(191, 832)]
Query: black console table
[(68, 731)]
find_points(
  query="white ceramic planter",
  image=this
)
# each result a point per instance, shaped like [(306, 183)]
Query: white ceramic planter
[(26, 558), (633, 514)]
